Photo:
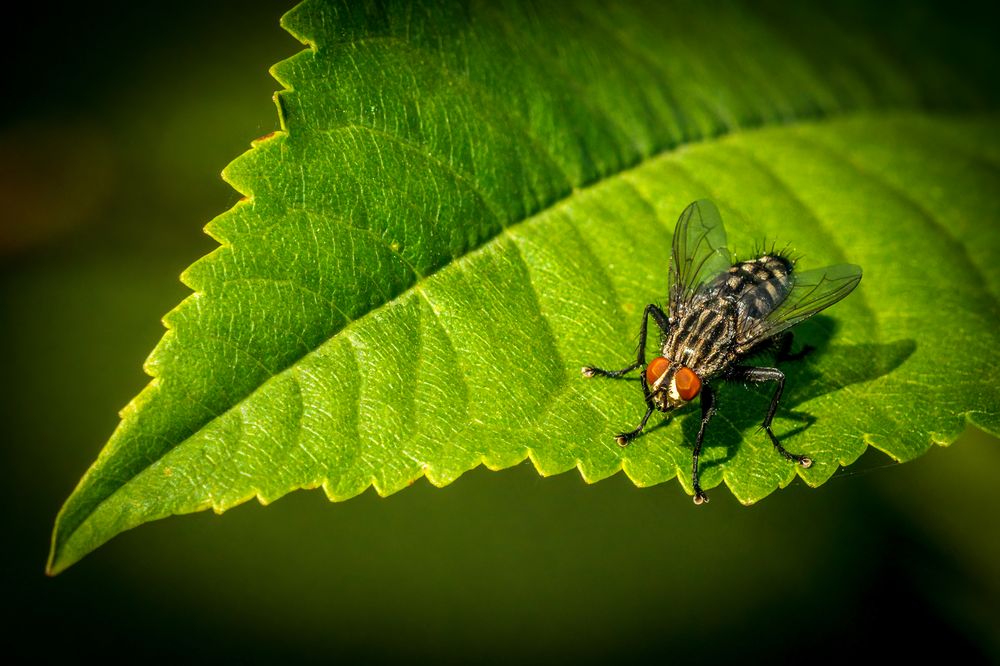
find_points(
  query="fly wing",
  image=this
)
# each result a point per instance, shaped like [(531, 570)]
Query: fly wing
[(699, 251), (811, 292)]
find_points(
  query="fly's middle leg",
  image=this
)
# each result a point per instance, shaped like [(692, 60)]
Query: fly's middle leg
[(758, 375)]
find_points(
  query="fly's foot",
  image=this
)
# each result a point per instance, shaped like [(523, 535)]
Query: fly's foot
[(805, 461), (623, 438), (587, 371), (699, 496)]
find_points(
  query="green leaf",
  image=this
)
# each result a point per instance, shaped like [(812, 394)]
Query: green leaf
[(466, 204)]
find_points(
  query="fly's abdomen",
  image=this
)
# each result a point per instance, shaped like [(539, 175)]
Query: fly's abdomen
[(757, 287)]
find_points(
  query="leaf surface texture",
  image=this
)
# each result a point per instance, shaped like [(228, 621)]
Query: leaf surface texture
[(467, 203)]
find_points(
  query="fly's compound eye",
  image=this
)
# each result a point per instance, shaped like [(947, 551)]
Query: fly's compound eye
[(688, 383), (656, 368)]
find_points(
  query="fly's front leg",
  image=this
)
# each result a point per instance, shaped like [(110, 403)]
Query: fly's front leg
[(661, 320), (623, 438), (591, 371), (707, 412), (758, 375), (588, 371)]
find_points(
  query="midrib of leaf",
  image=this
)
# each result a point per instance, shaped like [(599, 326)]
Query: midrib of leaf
[(466, 180)]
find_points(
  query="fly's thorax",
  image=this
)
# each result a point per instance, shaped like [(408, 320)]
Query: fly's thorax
[(703, 336)]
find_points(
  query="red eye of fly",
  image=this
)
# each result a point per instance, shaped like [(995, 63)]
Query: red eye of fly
[(687, 382), (656, 368)]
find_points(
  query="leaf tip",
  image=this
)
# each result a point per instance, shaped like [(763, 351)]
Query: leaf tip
[(50, 566), (57, 562), (54, 568)]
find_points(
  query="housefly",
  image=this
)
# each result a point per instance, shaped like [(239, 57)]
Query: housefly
[(722, 312)]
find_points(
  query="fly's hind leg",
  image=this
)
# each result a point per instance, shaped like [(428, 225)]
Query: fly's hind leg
[(589, 371), (758, 375)]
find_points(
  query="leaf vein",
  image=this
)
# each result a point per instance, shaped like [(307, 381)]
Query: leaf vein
[(424, 153)]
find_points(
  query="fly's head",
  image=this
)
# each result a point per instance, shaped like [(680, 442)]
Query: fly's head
[(671, 385)]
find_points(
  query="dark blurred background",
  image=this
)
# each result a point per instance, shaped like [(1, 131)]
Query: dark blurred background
[(118, 122)]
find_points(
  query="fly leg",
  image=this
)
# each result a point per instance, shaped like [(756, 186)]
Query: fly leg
[(707, 412), (589, 371), (661, 320), (757, 375), (623, 438)]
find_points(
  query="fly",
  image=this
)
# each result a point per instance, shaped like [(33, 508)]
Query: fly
[(722, 312)]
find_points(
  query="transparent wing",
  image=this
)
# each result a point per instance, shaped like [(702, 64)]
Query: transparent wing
[(811, 292), (699, 251)]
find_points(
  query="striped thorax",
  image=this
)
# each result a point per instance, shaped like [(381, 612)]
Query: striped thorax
[(712, 330)]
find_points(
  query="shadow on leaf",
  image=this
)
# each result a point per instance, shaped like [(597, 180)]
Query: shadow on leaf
[(824, 369)]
